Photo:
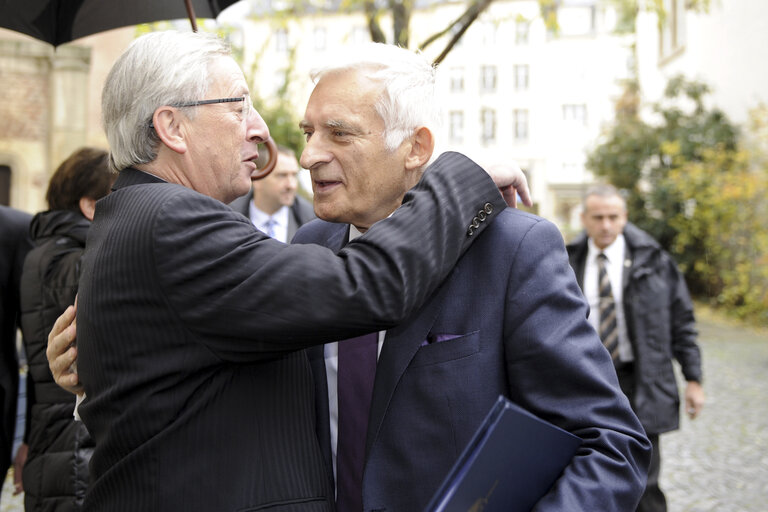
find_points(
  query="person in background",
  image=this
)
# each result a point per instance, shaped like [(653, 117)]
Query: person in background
[(273, 205), (640, 306), (190, 322), (15, 243), (397, 407), (55, 474)]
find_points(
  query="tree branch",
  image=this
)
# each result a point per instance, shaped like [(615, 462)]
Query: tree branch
[(465, 20)]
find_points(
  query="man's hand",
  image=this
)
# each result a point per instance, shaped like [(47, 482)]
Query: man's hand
[(62, 353), (511, 182), (694, 399), (18, 467)]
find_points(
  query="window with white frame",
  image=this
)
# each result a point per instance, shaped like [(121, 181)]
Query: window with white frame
[(521, 77), (456, 126), (520, 121), (488, 79), (521, 31), (281, 40), (672, 31), (575, 113), (488, 125)]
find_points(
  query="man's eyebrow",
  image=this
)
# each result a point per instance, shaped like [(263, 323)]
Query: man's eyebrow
[(304, 125), (338, 124)]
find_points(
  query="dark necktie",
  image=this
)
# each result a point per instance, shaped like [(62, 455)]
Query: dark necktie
[(357, 369), (608, 330)]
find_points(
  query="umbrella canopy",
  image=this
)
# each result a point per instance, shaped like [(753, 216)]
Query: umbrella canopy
[(61, 21)]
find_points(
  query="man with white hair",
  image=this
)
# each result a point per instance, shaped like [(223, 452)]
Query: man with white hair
[(190, 320), (397, 407)]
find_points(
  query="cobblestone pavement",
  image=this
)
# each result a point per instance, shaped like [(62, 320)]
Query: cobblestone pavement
[(716, 463), (719, 461)]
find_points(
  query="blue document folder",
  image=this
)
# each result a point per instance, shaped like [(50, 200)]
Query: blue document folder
[(510, 463)]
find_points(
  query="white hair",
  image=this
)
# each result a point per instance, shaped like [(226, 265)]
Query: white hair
[(408, 97), (160, 68)]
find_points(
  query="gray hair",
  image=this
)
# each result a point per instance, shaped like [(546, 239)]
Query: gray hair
[(408, 98), (603, 190), (160, 68)]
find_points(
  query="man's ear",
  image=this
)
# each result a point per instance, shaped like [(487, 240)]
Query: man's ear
[(87, 207), (422, 146), (168, 126)]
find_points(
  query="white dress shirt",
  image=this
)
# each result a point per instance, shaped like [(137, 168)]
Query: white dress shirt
[(280, 218), (615, 265), (331, 354)]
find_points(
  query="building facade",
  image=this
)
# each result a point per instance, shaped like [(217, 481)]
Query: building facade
[(511, 89), (724, 45), (49, 107)]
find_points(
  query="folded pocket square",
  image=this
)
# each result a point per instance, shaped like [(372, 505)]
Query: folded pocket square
[(438, 338)]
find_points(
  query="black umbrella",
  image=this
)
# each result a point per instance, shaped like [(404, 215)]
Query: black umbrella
[(60, 21)]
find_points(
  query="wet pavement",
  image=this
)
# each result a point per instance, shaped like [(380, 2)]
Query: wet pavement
[(716, 463)]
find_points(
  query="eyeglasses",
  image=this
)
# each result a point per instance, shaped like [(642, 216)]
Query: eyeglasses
[(246, 99)]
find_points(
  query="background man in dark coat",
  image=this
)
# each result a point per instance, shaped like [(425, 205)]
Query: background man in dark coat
[(654, 320), (273, 205), (510, 319), (15, 243)]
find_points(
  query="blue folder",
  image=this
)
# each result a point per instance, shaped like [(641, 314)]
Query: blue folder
[(509, 464)]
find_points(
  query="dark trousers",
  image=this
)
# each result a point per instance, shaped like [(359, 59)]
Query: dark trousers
[(653, 499)]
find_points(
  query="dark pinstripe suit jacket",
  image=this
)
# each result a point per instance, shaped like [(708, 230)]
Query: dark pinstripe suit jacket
[(188, 324), (510, 320)]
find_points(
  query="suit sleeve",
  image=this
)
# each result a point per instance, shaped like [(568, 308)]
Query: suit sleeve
[(559, 370), (249, 297)]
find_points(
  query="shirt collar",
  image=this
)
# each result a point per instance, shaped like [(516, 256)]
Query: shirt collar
[(353, 232), (614, 252), (260, 218)]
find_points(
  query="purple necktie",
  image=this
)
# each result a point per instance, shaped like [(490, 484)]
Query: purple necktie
[(357, 369)]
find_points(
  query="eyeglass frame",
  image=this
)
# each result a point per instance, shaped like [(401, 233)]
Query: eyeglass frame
[(244, 98)]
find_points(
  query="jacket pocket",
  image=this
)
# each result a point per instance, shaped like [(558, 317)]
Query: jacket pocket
[(457, 347)]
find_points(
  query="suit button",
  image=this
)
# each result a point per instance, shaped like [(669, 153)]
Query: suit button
[(488, 208), (475, 223), (470, 231), (481, 215)]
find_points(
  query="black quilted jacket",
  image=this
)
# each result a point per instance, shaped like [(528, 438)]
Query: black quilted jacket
[(56, 472)]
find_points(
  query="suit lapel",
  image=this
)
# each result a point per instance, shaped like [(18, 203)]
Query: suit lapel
[(338, 238), (400, 346)]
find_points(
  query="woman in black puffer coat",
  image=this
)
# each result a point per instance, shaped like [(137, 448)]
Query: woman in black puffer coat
[(55, 473)]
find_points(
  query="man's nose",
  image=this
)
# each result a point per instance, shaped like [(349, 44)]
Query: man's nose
[(256, 129), (314, 153)]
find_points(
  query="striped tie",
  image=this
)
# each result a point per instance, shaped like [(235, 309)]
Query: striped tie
[(608, 330)]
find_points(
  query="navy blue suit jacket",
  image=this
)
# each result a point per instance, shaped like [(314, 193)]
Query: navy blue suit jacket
[(510, 320)]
